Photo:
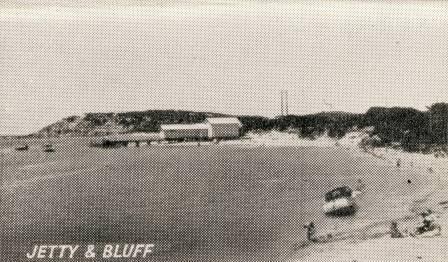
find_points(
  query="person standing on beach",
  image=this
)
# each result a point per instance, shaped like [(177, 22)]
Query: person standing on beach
[(360, 185), (428, 219), (394, 231), (311, 232)]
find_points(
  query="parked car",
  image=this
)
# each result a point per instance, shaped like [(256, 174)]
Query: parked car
[(340, 201)]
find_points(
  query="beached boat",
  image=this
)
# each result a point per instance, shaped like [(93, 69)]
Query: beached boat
[(22, 148), (339, 201)]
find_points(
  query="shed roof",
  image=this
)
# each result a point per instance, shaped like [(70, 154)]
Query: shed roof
[(183, 126), (223, 120)]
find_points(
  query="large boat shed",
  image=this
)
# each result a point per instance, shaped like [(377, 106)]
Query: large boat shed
[(212, 128)]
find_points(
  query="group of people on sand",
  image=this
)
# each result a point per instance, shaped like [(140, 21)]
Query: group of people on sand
[(428, 219), (428, 225)]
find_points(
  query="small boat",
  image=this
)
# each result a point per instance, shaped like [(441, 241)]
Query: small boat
[(339, 201), (48, 148), (22, 148)]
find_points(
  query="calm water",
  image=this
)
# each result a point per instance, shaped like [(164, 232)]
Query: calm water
[(202, 203)]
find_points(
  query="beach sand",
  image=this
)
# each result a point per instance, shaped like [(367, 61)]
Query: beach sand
[(375, 243), (385, 248)]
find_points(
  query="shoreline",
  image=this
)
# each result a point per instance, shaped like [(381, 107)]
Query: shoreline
[(373, 243)]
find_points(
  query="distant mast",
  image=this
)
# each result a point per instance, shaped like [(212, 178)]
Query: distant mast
[(281, 102)]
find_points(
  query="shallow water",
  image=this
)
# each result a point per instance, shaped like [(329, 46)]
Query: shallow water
[(202, 203)]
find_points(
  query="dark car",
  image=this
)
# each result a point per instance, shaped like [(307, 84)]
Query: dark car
[(339, 201)]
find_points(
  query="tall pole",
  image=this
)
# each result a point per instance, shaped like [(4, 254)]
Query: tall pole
[(281, 102), (284, 102)]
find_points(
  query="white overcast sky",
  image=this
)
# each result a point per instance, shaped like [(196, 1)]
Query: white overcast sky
[(61, 58)]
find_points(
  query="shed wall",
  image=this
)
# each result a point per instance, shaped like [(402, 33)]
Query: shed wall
[(225, 130)]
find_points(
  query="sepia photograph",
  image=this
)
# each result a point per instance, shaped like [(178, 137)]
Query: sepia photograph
[(223, 130)]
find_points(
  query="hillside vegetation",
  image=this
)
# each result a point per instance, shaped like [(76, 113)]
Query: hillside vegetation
[(95, 124), (411, 129)]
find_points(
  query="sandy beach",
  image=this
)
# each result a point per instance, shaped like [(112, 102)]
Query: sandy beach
[(375, 243), (385, 248)]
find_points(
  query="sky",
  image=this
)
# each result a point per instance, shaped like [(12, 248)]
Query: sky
[(60, 58)]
